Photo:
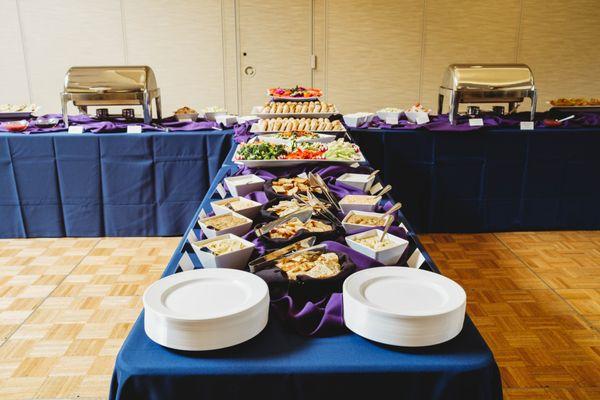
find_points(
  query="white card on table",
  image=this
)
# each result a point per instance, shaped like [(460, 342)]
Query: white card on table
[(221, 190), (375, 188), (185, 262), (416, 259), (476, 122), (526, 125), (191, 237), (422, 119), (75, 129), (134, 129)]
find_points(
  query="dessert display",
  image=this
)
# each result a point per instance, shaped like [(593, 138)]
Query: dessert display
[(575, 102), (312, 263), (301, 107), (298, 124), (294, 225), (297, 92), (291, 186), (186, 114), (222, 222)]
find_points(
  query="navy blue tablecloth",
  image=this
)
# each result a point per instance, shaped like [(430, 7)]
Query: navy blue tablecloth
[(490, 180), (117, 184), (279, 364)]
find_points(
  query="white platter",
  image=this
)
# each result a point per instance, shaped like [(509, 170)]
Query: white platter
[(16, 115), (290, 163), (271, 138), (205, 309), (403, 306), (296, 115)]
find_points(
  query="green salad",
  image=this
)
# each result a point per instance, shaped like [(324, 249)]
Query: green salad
[(340, 150), (261, 151)]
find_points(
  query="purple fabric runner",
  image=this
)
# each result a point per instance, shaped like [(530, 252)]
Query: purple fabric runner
[(116, 125), (241, 132), (321, 316), (441, 123)]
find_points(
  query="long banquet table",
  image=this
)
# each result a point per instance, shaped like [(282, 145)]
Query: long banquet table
[(105, 184), (280, 364), (491, 180)]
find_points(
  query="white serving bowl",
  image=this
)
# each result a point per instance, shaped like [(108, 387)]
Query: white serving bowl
[(236, 259), (347, 207), (414, 116), (387, 256), (242, 185), (351, 228), (187, 117), (220, 207), (360, 181), (239, 230), (212, 115), (226, 120)]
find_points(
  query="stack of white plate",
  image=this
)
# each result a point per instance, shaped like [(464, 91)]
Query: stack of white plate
[(206, 309), (403, 306)]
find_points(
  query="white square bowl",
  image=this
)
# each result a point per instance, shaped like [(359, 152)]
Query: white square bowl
[(347, 207), (353, 120), (359, 181), (417, 116), (236, 259), (236, 230), (220, 207), (353, 228), (226, 120), (388, 256), (241, 185), (212, 115)]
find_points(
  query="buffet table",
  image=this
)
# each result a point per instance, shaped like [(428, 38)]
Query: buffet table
[(110, 184), (281, 364), (490, 180)]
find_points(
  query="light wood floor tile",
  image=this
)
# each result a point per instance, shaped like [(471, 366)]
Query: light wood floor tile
[(66, 305)]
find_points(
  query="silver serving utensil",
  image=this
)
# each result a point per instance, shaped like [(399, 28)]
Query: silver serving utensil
[(255, 264), (566, 118), (321, 183), (303, 214), (323, 210), (385, 230), (394, 208)]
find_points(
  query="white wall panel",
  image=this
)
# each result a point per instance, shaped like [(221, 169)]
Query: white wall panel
[(58, 34), (182, 42), (373, 53), (13, 74)]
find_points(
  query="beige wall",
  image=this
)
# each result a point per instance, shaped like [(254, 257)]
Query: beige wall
[(370, 54)]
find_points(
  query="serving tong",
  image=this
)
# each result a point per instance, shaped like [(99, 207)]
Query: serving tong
[(322, 210), (303, 214), (259, 263), (316, 180)]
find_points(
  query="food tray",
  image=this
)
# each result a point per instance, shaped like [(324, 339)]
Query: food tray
[(255, 129), (576, 108), (314, 98), (323, 138), (16, 115), (296, 115), (293, 162)]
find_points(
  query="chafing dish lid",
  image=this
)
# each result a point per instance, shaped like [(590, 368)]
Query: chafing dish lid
[(486, 77), (109, 79)]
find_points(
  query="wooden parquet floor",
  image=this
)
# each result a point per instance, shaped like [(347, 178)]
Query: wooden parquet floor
[(66, 305)]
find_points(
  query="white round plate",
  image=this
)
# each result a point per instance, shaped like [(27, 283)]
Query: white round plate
[(205, 309), (403, 306)]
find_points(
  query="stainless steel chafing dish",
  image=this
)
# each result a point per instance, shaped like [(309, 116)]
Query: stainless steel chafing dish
[(111, 86), (486, 83)]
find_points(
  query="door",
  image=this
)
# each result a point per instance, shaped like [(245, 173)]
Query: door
[(275, 38)]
